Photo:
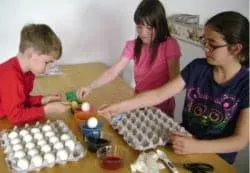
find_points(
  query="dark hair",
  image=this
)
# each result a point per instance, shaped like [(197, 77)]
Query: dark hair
[(153, 14), (235, 29), (42, 38)]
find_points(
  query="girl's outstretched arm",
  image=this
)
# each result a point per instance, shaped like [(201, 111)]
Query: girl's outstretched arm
[(149, 98), (105, 78)]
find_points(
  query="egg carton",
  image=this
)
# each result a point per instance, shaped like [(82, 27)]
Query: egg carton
[(32, 148), (146, 128)]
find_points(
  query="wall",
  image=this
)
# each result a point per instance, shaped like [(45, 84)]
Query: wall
[(89, 30)]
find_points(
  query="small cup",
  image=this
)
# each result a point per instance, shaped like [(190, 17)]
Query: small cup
[(93, 144), (81, 117), (112, 157)]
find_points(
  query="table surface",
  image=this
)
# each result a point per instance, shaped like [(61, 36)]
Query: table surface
[(78, 75)]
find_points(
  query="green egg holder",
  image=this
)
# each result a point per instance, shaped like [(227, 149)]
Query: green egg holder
[(71, 96)]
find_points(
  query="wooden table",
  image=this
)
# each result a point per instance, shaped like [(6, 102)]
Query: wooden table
[(77, 75)]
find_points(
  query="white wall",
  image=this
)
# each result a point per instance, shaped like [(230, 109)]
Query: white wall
[(96, 30), (89, 30)]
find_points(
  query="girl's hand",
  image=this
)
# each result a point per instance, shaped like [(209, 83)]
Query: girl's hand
[(108, 110), (183, 144), (83, 92), (51, 98)]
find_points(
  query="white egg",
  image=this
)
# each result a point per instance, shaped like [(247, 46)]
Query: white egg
[(23, 163), (23, 132), (62, 155), (64, 137), (41, 142), (46, 148), (49, 134), (70, 144), (35, 130), (27, 138), (54, 139), (12, 135), (61, 124), (32, 152), (15, 141), (5, 136), (17, 147), (29, 145), (37, 160), (19, 154), (38, 136), (92, 122), (49, 158), (46, 128), (85, 106), (58, 146)]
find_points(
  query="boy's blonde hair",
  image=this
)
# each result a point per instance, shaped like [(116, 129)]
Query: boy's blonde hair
[(42, 38)]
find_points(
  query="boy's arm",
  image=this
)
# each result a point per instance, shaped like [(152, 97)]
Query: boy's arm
[(14, 102), (34, 100)]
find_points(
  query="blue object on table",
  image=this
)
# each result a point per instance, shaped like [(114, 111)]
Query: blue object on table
[(91, 132), (118, 117)]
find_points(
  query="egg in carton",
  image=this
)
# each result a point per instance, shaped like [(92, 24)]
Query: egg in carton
[(146, 128), (41, 145)]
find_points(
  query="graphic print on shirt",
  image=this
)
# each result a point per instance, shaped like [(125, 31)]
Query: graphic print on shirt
[(208, 116)]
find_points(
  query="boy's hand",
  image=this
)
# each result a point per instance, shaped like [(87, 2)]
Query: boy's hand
[(56, 107), (83, 92), (51, 98), (183, 144)]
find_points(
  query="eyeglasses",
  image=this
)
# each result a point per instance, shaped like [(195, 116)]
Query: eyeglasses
[(211, 48)]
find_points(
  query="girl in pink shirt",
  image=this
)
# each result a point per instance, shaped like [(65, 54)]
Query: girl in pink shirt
[(155, 53)]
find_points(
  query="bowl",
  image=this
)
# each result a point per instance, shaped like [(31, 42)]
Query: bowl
[(112, 157), (93, 144), (81, 117)]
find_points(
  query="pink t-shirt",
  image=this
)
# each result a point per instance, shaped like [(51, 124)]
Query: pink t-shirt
[(150, 76)]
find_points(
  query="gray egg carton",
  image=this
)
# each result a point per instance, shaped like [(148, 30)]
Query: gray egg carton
[(33, 147), (145, 128)]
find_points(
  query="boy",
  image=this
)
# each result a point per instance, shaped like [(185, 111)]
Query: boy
[(39, 47)]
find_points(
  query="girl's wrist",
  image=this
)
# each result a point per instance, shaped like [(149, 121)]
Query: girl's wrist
[(200, 146)]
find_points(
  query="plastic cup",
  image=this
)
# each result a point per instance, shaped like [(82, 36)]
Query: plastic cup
[(93, 144), (112, 157)]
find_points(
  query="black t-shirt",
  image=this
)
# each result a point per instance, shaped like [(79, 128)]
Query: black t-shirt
[(211, 110)]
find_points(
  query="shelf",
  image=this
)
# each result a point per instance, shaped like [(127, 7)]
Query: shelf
[(189, 33)]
